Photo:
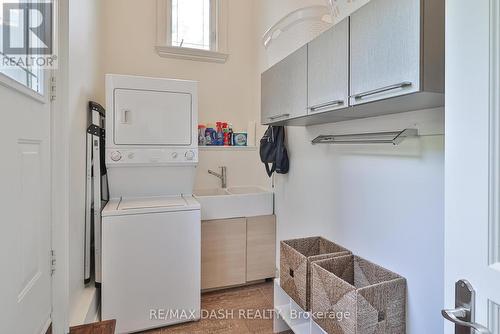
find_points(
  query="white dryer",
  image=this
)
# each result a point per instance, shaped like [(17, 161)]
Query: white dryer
[(151, 227)]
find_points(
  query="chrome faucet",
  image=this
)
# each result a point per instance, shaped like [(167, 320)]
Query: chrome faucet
[(222, 176)]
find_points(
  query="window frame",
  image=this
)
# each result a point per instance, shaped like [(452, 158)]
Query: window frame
[(218, 30), (27, 88), (212, 26)]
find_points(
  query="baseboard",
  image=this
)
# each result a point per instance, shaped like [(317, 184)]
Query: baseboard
[(85, 309), (98, 314), (93, 311), (236, 286)]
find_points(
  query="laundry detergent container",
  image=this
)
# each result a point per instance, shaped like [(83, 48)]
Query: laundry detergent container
[(353, 296), (296, 257)]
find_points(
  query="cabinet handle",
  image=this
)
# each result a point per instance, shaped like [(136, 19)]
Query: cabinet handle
[(382, 90), (326, 106), (125, 118), (272, 118)]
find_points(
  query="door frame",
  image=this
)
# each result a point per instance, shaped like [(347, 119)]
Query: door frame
[(494, 114), (60, 175), (480, 115)]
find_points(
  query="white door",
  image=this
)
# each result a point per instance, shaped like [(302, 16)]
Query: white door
[(25, 237), (472, 232)]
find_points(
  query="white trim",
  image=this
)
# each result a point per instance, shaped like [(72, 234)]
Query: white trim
[(86, 308), (164, 46), (162, 13), (45, 327), (493, 317), (222, 26), (191, 54), (494, 146), (60, 179), (23, 89)]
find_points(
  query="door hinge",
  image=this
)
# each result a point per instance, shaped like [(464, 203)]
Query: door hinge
[(52, 262), (53, 88)]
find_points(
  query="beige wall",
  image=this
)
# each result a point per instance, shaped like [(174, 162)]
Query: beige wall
[(118, 36), (226, 91)]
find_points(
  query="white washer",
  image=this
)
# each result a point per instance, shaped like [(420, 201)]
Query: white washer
[(149, 248), (151, 227)]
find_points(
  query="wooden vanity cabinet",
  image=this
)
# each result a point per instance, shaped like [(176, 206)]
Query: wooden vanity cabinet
[(237, 251), (261, 248), (223, 253)]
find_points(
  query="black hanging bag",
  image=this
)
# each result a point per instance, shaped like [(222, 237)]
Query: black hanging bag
[(273, 152)]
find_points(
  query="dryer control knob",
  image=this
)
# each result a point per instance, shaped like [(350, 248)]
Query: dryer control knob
[(174, 155), (190, 155), (116, 156)]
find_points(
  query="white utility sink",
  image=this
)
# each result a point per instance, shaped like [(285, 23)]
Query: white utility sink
[(211, 192), (235, 202)]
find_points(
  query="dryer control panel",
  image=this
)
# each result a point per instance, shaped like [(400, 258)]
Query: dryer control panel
[(151, 156)]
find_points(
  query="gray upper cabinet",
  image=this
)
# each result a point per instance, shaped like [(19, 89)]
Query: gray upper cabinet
[(284, 89), (387, 58), (385, 50), (328, 70), (396, 49)]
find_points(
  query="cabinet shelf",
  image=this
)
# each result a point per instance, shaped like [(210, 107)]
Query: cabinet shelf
[(227, 148), (284, 307)]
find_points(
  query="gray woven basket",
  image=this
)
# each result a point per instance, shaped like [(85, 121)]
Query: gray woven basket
[(353, 296), (296, 257)]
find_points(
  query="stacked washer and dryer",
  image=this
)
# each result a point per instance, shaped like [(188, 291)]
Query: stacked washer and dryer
[(151, 227)]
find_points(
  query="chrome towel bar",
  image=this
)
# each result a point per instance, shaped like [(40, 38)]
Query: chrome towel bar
[(394, 138)]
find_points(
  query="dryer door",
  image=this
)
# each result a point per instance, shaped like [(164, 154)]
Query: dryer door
[(143, 117)]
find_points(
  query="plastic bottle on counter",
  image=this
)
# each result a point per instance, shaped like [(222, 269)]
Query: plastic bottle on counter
[(220, 134), (225, 130), (210, 136), (202, 139), (231, 134)]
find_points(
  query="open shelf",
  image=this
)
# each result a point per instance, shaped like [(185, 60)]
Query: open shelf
[(300, 323), (227, 148)]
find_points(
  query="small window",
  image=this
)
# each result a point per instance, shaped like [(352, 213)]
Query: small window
[(192, 24), (192, 29), (30, 76)]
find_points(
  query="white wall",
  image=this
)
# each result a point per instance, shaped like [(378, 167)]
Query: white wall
[(83, 80), (244, 169), (226, 91), (384, 203)]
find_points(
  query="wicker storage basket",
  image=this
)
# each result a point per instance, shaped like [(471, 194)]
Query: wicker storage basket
[(353, 296), (296, 257)]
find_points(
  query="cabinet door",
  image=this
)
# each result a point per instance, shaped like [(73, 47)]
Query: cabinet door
[(284, 89), (223, 253), (261, 248), (385, 50), (328, 63)]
